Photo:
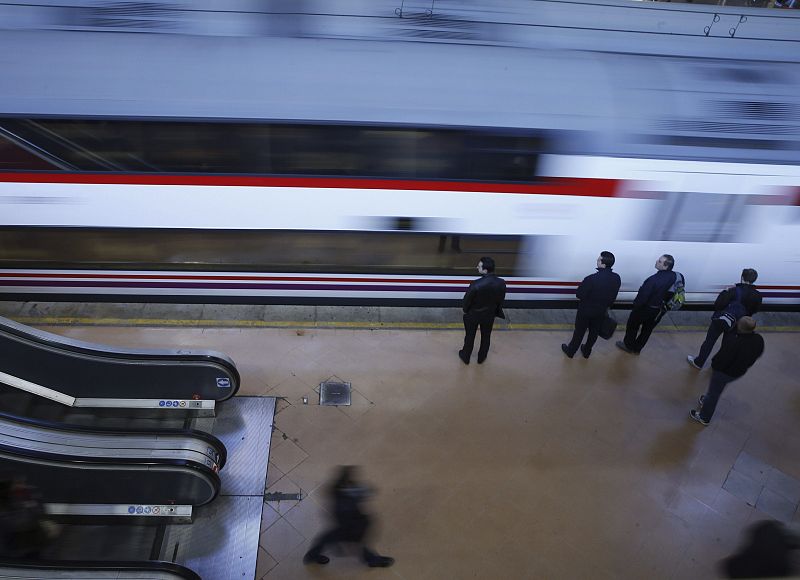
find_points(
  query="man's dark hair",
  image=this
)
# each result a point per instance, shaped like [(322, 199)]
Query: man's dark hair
[(669, 261), (607, 258), (488, 264), (749, 275)]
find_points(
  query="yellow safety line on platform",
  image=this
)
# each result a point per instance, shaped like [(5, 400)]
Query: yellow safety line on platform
[(171, 322)]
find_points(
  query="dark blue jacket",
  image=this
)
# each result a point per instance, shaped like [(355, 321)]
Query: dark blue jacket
[(597, 292), (738, 353), (750, 298), (654, 289)]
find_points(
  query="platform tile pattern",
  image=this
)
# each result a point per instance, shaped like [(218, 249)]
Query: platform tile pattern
[(528, 466)]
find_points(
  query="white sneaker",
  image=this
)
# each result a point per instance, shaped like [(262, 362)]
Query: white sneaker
[(690, 360)]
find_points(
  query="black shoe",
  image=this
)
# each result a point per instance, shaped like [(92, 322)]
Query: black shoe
[(463, 358), (696, 416), (621, 346), (481, 359), (565, 350), (585, 351), (310, 558), (378, 561)]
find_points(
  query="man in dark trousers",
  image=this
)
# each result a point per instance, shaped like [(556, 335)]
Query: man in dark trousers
[(740, 349), (596, 293), (482, 302), (731, 304), (647, 306)]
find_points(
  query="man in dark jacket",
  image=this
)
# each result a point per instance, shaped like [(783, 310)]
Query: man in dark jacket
[(731, 304), (740, 349), (482, 302), (596, 293), (647, 305)]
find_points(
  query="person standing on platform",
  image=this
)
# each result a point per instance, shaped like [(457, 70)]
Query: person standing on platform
[(596, 294), (731, 304), (483, 302), (647, 305), (740, 350)]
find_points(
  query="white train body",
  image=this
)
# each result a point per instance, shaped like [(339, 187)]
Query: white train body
[(640, 155)]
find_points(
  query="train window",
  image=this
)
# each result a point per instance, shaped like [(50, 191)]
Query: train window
[(256, 250), (14, 157), (698, 217), (283, 149)]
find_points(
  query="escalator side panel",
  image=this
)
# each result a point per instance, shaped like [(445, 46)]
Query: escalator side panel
[(82, 375), (67, 481)]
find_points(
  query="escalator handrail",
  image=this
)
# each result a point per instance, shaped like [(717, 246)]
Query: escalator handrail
[(107, 351), (204, 470), (208, 438), (111, 565)]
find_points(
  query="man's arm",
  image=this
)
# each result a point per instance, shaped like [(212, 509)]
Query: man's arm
[(616, 290), (469, 297), (644, 292), (756, 299), (584, 288), (727, 353), (723, 299)]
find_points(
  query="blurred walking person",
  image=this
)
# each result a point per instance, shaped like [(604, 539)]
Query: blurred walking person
[(351, 523), (740, 350), (483, 302), (596, 294), (743, 299)]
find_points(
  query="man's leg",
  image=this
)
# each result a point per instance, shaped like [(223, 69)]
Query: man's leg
[(594, 332), (581, 324), (314, 554), (715, 329), (649, 321), (715, 387), (632, 328), (486, 337), (470, 330)]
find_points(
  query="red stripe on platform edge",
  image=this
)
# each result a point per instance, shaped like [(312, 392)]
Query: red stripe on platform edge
[(269, 278), (589, 187)]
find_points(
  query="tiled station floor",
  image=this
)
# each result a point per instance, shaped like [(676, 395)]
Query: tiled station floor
[(531, 465)]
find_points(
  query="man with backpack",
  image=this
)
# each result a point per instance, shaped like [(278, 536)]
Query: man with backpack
[(731, 304), (649, 303), (740, 350)]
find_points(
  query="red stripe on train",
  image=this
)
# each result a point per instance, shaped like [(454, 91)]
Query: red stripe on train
[(589, 187), (268, 278)]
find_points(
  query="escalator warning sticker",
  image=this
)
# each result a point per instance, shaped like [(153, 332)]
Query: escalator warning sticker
[(131, 509), (223, 382)]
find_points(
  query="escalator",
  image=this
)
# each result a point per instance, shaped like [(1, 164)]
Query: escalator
[(80, 465), (85, 370), (94, 570)]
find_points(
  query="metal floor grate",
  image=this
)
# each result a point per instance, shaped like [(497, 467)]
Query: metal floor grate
[(334, 393)]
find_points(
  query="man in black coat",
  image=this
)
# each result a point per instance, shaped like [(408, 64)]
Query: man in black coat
[(482, 302), (647, 305), (596, 293), (731, 304), (740, 350)]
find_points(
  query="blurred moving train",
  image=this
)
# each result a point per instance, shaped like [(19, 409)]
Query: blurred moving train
[(335, 171)]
